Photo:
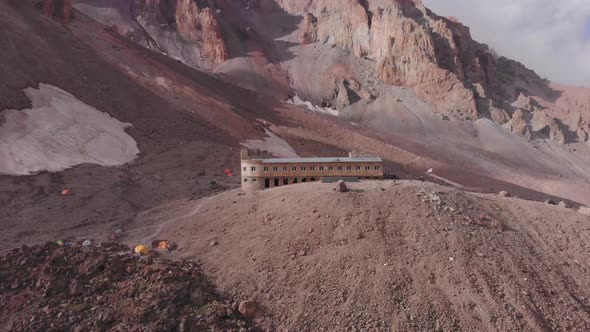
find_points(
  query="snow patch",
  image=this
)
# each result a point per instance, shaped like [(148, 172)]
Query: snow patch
[(59, 132), (273, 144), (325, 110)]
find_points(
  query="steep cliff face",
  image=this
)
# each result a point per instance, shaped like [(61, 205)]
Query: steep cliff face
[(409, 45), (402, 41), (199, 25), (437, 57), (187, 30)]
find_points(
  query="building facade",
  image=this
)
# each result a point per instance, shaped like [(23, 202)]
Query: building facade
[(260, 171)]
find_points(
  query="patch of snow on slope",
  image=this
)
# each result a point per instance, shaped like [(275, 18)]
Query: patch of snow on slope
[(59, 132), (326, 110), (273, 144)]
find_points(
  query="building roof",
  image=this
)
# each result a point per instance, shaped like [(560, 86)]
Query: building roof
[(322, 160)]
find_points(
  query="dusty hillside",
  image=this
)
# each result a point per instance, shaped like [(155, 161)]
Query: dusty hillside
[(175, 145), (417, 80), (106, 288), (188, 126), (402, 256)]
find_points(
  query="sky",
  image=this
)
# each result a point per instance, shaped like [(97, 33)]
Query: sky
[(551, 37)]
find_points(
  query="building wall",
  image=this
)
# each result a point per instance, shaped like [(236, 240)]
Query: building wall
[(255, 179), (252, 183)]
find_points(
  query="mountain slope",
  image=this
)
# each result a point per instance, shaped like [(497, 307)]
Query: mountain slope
[(416, 79), (389, 256)]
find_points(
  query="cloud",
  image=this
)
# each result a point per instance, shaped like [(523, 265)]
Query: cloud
[(548, 36)]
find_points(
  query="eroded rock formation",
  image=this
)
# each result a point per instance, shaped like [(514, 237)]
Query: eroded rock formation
[(59, 8), (196, 22), (519, 124), (405, 43)]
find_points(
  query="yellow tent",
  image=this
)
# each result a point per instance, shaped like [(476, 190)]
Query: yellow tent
[(141, 249)]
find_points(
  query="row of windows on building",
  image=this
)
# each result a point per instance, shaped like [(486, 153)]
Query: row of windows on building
[(312, 168)]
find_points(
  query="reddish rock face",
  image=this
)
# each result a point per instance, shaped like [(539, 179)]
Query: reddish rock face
[(199, 25), (60, 8), (308, 30), (519, 125), (406, 43)]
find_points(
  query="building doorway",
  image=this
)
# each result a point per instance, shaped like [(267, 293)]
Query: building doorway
[(312, 179), (304, 180), (285, 182), (276, 182), (266, 183), (295, 180)]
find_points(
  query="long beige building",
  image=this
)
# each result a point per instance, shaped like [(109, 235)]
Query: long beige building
[(260, 171)]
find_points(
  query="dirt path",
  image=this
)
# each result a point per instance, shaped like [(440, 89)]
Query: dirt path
[(455, 184), (161, 225)]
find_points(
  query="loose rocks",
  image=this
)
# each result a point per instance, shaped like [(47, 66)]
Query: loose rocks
[(106, 287), (248, 308)]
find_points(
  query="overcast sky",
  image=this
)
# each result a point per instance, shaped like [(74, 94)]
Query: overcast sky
[(551, 37)]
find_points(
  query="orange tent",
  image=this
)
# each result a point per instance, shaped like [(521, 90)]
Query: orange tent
[(163, 245)]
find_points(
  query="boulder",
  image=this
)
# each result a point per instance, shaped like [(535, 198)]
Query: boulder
[(585, 210), (248, 308), (563, 204), (504, 194), (76, 288), (341, 186), (550, 202)]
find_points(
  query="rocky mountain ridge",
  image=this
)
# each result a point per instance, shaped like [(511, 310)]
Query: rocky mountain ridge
[(406, 43)]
